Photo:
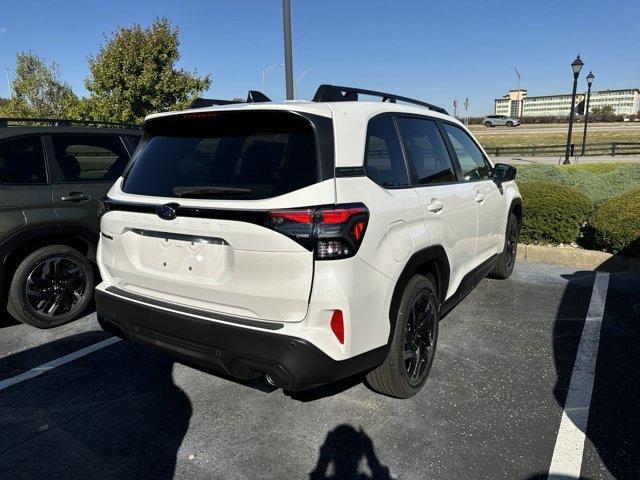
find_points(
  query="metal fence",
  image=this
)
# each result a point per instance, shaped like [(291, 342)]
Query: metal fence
[(602, 149)]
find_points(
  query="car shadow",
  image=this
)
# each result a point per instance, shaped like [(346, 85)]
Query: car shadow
[(613, 429), (113, 414), (343, 455)]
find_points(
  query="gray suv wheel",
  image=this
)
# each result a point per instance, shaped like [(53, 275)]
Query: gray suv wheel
[(51, 286)]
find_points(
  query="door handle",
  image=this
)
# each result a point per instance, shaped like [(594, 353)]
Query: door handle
[(76, 197), (479, 197), (435, 206)]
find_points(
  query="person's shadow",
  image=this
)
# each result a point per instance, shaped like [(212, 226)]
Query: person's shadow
[(113, 414), (342, 453)]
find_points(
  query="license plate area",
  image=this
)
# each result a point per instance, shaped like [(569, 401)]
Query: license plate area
[(185, 256)]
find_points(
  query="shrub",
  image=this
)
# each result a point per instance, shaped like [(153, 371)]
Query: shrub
[(552, 212), (542, 173), (599, 181), (600, 188), (616, 224)]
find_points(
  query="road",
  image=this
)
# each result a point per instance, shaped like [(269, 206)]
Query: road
[(492, 407)]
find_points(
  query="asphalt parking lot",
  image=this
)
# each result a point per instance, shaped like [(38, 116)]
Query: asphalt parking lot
[(492, 407)]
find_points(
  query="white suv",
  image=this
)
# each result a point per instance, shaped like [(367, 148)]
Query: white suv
[(304, 241)]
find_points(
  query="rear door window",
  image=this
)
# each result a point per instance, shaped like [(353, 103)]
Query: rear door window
[(89, 158), (22, 161), (237, 155), (384, 161), (426, 150)]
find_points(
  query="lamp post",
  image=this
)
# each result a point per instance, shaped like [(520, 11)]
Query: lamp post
[(288, 58), (267, 70), (299, 79), (576, 66), (590, 78), (518, 92)]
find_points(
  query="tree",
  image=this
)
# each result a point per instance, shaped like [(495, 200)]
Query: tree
[(134, 74), (604, 110), (37, 90)]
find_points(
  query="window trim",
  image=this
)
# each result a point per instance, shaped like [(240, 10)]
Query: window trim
[(47, 175), (56, 176)]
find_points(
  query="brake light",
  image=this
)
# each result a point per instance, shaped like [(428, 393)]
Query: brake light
[(299, 216), (337, 325), (331, 232)]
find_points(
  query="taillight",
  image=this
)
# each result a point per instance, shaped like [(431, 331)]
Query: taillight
[(331, 232)]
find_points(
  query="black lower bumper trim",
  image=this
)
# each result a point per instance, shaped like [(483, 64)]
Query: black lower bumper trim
[(293, 363)]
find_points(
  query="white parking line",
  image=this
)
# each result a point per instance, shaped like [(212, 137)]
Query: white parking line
[(567, 455), (45, 367)]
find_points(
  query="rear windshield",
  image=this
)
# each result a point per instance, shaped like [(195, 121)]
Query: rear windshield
[(235, 155)]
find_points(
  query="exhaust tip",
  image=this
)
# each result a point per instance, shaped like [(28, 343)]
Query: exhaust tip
[(270, 380)]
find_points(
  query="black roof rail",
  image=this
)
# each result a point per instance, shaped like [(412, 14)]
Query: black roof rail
[(335, 93), (253, 96), (63, 122)]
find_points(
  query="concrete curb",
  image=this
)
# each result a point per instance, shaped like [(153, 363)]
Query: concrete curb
[(577, 257)]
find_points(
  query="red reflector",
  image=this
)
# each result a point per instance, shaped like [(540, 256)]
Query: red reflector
[(337, 325), (358, 230), (299, 216), (339, 215)]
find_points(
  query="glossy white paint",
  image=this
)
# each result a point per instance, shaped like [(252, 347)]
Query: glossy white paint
[(258, 273)]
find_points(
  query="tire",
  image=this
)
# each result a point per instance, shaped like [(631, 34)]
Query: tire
[(488, 124), (507, 259), (51, 286), (509, 124), (395, 376)]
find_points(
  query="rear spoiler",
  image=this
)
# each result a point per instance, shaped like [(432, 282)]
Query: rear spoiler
[(253, 96)]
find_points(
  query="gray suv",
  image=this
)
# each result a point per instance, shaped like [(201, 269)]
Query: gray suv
[(53, 174), (500, 120)]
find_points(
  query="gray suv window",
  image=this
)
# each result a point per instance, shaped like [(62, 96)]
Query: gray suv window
[(383, 160), (90, 158), (22, 161), (470, 157)]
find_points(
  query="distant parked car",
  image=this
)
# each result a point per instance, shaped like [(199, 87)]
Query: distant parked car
[(495, 120)]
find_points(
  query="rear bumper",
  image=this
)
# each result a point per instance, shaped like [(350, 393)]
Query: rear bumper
[(293, 363)]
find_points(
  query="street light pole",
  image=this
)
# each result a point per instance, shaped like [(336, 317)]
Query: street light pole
[(299, 79), (267, 70), (288, 68), (590, 78), (576, 66), (518, 91)]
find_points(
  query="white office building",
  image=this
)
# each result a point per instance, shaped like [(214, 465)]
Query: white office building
[(517, 103)]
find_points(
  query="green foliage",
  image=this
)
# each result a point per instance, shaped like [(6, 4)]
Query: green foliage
[(616, 224), (600, 188), (605, 109), (37, 90), (134, 74), (552, 213), (598, 181)]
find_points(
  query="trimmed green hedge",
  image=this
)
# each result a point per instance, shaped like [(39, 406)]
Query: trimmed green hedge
[(552, 212), (598, 181), (616, 224)]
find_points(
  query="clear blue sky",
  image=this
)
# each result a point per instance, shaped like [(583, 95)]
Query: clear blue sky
[(437, 51)]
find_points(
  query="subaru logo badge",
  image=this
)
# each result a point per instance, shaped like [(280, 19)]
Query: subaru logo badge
[(168, 211)]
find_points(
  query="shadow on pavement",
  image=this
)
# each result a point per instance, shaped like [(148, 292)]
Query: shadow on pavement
[(342, 454), (613, 431), (113, 414)]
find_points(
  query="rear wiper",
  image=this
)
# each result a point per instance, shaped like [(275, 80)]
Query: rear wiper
[(208, 190)]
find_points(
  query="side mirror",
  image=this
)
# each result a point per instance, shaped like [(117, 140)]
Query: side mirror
[(503, 173)]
